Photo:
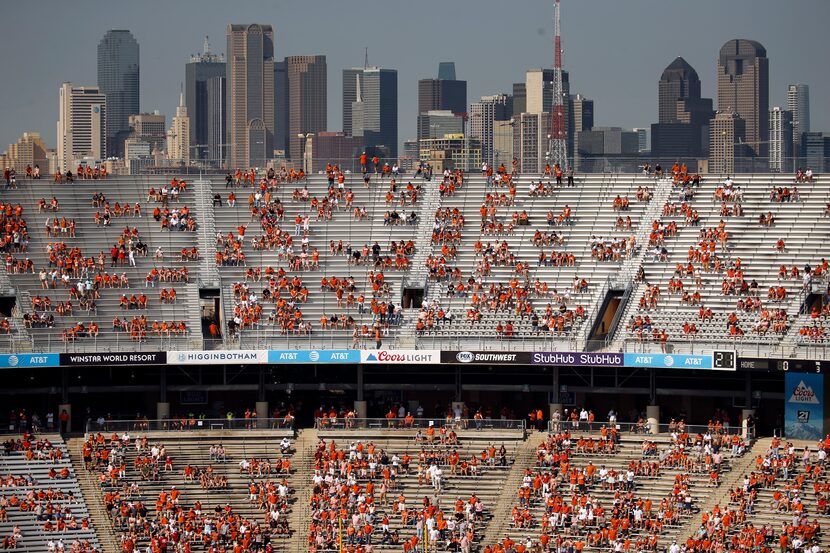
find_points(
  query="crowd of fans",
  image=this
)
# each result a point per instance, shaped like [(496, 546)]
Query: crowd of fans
[(47, 503), (148, 498)]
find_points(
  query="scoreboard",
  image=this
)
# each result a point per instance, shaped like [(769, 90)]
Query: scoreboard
[(768, 364)]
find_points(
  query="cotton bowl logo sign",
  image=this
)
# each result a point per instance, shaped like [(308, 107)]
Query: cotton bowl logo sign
[(401, 356)]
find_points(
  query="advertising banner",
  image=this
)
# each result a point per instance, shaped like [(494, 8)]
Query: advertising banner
[(401, 356), (218, 357), (115, 358), (486, 357), (668, 361), (577, 359), (314, 356), (804, 406), (29, 360)]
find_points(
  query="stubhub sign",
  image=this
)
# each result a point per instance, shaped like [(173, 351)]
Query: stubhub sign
[(314, 356)]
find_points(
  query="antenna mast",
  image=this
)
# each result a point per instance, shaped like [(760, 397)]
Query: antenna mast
[(558, 145)]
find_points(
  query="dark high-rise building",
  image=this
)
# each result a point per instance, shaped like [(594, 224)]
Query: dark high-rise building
[(118, 79), (679, 81), (815, 151), (798, 103), (443, 93), (281, 106), (379, 95), (682, 131), (743, 88), (519, 98), (446, 71), (217, 120), (306, 77), (435, 94), (198, 72), (250, 85)]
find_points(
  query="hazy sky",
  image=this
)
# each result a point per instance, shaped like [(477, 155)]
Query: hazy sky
[(615, 50)]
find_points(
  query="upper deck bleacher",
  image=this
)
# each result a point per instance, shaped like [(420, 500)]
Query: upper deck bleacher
[(515, 276)]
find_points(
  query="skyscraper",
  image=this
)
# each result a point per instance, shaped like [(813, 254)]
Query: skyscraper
[(581, 114), (217, 121), (519, 98), (28, 151), (443, 93), (82, 125), (379, 88), (683, 116), (281, 106), (178, 138), (150, 128), (306, 77), (530, 131), (539, 89), (539, 99), (724, 131), (482, 116), (743, 88), (203, 67), (118, 79), (798, 103), (780, 140), (446, 71), (250, 84), (437, 123)]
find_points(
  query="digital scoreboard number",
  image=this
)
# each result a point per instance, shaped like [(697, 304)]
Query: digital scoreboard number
[(784, 365), (724, 360), (801, 365)]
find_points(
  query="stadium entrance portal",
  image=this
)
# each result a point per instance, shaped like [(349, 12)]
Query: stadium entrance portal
[(211, 316), (413, 298)]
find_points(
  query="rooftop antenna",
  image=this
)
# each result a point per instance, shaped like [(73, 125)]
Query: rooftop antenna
[(206, 47), (366, 58)]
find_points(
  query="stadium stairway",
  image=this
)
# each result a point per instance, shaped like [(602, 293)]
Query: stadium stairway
[(95, 501), (417, 277), (739, 467), (299, 519), (525, 456), (35, 538), (661, 192)]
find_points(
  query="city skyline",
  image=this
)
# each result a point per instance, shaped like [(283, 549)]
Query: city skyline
[(621, 86)]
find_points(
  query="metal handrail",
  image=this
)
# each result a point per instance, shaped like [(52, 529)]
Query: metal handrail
[(354, 423), (636, 427), (189, 423)]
